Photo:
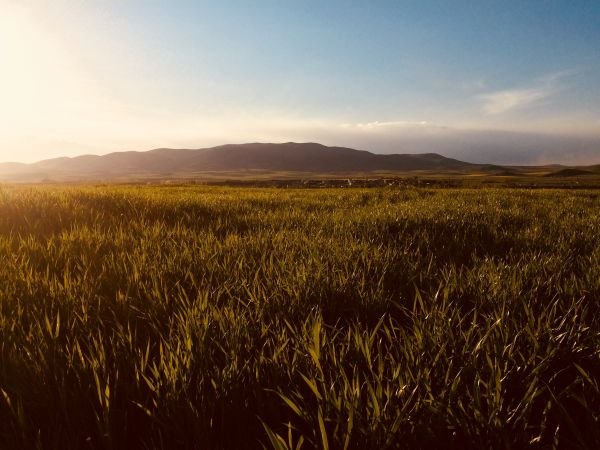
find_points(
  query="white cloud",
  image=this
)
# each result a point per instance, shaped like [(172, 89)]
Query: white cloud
[(504, 101), (380, 125), (501, 102)]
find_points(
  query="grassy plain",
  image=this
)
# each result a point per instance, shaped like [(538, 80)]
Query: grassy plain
[(219, 317)]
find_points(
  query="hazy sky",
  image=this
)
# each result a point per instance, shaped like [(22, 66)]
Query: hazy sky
[(497, 81)]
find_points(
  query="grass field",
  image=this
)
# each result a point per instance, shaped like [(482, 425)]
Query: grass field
[(217, 317)]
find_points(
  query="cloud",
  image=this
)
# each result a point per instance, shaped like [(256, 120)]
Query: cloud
[(381, 125), (504, 101), (473, 85)]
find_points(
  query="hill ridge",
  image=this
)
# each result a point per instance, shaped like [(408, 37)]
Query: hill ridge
[(255, 159), (255, 156)]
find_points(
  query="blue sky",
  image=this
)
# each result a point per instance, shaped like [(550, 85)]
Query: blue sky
[(506, 80)]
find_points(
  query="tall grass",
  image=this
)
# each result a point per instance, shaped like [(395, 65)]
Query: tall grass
[(204, 317)]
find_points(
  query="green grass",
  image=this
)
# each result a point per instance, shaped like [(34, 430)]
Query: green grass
[(214, 317)]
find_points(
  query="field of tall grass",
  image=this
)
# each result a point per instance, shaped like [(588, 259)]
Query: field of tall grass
[(215, 317)]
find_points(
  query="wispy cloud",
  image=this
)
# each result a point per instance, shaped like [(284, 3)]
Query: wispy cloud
[(504, 101), (473, 85), (390, 124)]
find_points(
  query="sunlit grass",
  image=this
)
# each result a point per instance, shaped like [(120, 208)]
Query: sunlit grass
[(209, 317)]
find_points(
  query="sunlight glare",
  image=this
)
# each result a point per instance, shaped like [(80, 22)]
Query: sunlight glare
[(39, 84)]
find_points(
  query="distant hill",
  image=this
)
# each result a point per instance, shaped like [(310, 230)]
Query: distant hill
[(288, 157), (259, 160), (573, 172)]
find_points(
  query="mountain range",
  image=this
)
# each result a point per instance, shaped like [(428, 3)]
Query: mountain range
[(248, 159)]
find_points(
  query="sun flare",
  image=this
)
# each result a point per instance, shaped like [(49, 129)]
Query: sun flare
[(42, 89)]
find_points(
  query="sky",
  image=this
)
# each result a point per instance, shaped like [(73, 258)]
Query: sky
[(484, 81)]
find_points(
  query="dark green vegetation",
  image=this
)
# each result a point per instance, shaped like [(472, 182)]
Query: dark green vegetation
[(214, 317), (571, 173)]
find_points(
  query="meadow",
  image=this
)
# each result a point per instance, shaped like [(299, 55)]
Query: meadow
[(221, 317)]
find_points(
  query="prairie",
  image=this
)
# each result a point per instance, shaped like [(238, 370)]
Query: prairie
[(220, 317)]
